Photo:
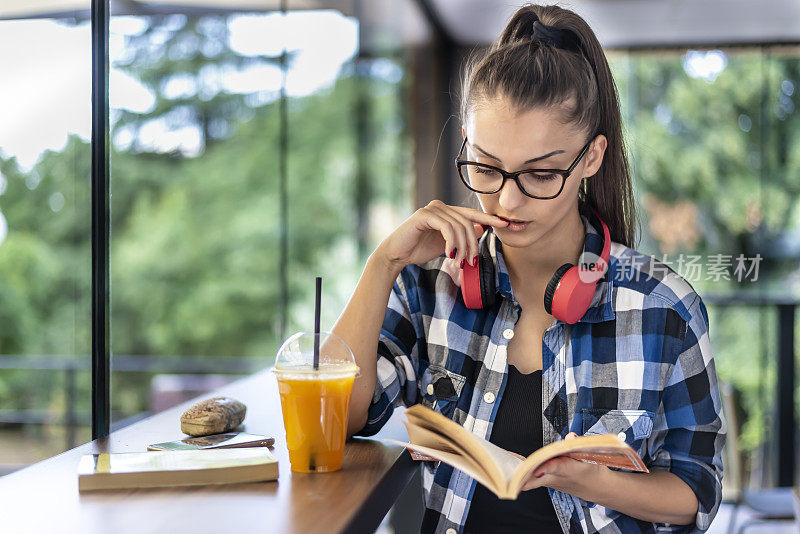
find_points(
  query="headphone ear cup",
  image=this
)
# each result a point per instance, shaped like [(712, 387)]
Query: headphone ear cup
[(477, 283), (471, 286), (550, 291), (568, 297), (486, 267), (572, 296)]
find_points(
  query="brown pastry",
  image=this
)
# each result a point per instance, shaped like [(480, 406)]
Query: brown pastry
[(212, 416)]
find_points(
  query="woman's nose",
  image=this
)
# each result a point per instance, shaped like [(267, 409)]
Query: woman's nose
[(510, 196)]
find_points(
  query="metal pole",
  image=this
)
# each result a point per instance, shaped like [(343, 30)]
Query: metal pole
[(71, 397), (763, 131), (448, 62), (101, 350), (447, 70), (361, 104), (785, 406), (283, 149)]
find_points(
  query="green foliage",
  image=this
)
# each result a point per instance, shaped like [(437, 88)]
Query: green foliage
[(181, 60), (42, 292), (194, 241), (727, 146), (710, 142)]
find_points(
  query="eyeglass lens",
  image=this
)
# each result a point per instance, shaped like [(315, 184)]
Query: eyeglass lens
[(487, 180)]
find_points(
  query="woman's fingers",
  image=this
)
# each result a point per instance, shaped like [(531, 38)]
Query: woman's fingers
[(481, 217), (461, 237), (436, 222), (458, 227), (471, 241)]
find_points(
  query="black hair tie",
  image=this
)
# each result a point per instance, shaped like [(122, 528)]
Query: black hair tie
[(564, 39)]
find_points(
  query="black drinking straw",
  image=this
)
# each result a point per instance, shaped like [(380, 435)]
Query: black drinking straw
[(316, 323)]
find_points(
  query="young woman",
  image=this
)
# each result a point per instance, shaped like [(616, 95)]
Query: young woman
[(543, 152)]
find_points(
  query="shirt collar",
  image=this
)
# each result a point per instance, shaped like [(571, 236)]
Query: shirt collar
[(600, 309)]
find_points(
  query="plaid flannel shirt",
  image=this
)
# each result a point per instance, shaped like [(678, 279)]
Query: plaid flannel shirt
[(638, 364)]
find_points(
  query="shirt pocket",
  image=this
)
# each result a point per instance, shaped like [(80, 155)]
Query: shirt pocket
[(440, 389), (632, 426)]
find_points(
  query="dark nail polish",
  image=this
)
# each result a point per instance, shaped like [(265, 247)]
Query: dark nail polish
[(474, 261), (462, 264), (453, 253)]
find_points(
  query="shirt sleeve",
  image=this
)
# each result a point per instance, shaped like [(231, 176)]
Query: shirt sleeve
[(689, 435), (398, 353)]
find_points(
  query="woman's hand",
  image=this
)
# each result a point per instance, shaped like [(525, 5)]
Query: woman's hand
[(565, 474), (435, 229)]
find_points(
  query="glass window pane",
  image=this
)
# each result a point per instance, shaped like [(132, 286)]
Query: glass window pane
[(44, 238), (196, 256), (193, 173), (711, 136)]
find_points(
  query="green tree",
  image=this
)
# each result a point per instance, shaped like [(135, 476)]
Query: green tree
[(182, 61), (724, 144)]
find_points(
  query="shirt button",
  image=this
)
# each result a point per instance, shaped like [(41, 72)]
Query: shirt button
[(508, 333), (488, 397), (621, 436), (450, 531), (429, 389)]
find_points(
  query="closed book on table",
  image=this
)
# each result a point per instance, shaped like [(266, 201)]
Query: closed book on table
[(175, 468)]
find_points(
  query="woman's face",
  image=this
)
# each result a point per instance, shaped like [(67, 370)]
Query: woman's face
[(500, 135)]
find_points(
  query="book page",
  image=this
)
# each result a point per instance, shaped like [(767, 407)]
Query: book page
[(156, 461), (422, 436), (499, 464), (456, 460), (604, 449), (505, 460), (451, 431), (620, 459)]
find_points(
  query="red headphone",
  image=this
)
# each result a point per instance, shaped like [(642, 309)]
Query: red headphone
[(569, 292)]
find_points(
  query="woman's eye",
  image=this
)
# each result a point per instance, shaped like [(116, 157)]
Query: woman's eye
[(542, 176), (481, 170)]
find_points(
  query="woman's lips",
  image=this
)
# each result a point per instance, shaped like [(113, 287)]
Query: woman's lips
[(515, 225)]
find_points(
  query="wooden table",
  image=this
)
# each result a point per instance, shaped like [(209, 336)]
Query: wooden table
[(44, 497)]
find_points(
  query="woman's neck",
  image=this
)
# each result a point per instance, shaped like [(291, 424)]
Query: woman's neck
[(536, 263)]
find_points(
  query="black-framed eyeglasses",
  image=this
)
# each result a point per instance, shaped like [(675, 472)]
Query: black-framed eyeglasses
[(542, 184)]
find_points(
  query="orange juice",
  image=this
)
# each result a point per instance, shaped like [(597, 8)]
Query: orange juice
[(315, 409)]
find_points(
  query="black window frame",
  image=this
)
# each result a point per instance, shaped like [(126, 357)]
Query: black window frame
[(100, 221)]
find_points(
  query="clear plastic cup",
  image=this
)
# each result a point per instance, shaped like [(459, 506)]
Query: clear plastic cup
[(315, 402)]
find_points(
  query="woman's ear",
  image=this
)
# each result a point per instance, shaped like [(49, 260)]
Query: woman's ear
[(594, 158)]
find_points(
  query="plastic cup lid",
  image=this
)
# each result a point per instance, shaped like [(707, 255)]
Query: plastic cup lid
[(296, 356)]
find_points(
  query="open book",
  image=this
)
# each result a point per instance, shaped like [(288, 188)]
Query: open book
[(435, 437)]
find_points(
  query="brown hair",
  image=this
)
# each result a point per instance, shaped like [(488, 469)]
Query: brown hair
[(532, 73)]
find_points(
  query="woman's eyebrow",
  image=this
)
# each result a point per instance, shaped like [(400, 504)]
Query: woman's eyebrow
[(532, 160)]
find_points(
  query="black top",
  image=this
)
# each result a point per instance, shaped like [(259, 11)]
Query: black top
[(518, 428)]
